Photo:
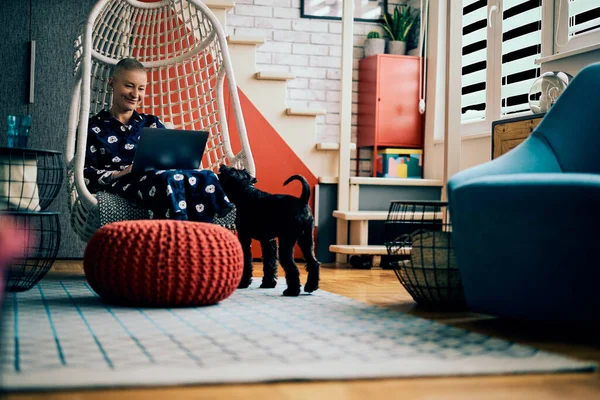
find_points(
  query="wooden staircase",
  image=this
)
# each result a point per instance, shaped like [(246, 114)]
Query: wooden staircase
[(267, 91)]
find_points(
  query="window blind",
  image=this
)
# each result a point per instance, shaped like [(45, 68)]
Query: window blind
[(584, 16), (521, 46), (474, 60)]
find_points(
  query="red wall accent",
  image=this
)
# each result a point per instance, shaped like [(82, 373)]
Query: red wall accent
[(275, 161)]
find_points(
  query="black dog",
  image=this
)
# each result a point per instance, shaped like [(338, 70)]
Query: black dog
[(264, 217)]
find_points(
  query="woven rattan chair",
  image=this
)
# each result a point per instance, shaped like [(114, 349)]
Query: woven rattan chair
[(184, 49)]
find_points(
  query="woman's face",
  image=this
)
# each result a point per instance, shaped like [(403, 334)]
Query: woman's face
[(128, 88)]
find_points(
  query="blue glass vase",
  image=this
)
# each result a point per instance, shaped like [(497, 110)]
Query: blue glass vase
[(18, 130)]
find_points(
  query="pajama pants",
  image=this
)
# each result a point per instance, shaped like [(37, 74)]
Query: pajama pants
[(175, 194)]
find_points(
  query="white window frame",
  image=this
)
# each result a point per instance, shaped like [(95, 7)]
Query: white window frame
[(493, 75), (553, 29), (560, 34)]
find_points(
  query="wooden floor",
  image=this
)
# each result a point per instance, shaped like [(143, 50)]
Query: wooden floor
[(382, 288)]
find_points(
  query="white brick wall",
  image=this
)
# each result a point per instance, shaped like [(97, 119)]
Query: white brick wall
[(253, 10), (309, 48)]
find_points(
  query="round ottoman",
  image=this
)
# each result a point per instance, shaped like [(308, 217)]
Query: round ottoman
[(163, 263)]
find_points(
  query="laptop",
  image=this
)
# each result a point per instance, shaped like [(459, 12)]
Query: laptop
[(162, 149)]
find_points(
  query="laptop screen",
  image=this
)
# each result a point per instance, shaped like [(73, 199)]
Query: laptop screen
[(163, 149)]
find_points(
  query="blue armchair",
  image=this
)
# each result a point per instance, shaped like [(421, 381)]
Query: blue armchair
[(526, 226)]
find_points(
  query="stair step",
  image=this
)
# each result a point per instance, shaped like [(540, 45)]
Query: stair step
[(365, 180), (361, 215), (376, 250), (274, 76), (332, 180), (358, 249), (245, 40), (383, 215), (220, 4), (306, 112), (333, 146)]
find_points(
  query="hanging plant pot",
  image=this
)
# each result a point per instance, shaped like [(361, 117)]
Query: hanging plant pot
[(397, 47), (374, 46)]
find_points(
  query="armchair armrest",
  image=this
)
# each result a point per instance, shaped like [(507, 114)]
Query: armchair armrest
[(532, 156)]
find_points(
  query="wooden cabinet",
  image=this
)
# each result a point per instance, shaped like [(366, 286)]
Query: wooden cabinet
[(388, 102), (510, 132)]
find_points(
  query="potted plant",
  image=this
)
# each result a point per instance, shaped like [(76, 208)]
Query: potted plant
[(398, 26), (374, 44)]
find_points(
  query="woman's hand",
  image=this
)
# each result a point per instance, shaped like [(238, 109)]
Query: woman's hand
[(122, 173)]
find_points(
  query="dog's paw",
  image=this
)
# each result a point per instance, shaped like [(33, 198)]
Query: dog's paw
[(292, 291), (244, 283), (268, 284), (311, 286)]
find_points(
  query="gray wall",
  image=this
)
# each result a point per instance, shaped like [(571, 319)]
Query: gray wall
[(14, 28), (54, 26)]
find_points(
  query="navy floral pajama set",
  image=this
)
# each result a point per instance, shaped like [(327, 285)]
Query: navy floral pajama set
[(194, 195)]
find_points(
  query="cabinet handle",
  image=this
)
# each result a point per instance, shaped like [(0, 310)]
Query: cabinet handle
[(32, 72)]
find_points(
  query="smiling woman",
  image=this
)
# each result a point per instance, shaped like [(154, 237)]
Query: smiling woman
[(113, 137), (190, 86), (128, 86)]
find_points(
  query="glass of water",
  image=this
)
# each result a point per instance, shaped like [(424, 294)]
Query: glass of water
[(18, 130)]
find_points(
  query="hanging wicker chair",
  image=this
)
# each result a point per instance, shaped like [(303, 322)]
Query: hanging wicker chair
[(183, 47)]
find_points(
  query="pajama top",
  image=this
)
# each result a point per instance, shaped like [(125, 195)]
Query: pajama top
[(194, 195)]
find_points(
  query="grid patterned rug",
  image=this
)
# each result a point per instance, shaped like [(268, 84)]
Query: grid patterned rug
[(60, 335)]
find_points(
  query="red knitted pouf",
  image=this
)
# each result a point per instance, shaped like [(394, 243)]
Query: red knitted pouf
[(163, 263)]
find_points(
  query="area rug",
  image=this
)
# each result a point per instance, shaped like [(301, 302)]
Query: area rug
[(60, 335)]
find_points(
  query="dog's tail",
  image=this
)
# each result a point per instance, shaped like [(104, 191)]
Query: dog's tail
[(305, 186)]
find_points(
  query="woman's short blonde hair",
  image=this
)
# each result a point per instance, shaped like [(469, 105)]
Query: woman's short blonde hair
[(127, 64)]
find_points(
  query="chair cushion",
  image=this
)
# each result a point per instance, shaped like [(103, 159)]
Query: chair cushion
[(163, 263), (114, 208)]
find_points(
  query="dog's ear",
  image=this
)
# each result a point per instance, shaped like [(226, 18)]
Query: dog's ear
[(250, 177), (222, 168)]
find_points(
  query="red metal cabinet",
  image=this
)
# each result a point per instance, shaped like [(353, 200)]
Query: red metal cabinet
[(388, 102)]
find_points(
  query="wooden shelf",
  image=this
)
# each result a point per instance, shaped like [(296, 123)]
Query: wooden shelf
[(361, 215), (365, 180), (358, 249), (245, 40), (305, 112), (374, 250), (274, 76), (382, 215)]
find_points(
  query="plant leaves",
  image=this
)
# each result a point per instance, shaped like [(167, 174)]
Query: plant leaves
[(400, 22)]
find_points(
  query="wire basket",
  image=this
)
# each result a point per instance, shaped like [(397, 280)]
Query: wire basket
[(42, 230), (418, 237), (29, 179)]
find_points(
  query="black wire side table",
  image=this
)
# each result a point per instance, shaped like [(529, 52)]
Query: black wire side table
[(30, 180), (423, 231), (42, 231)]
